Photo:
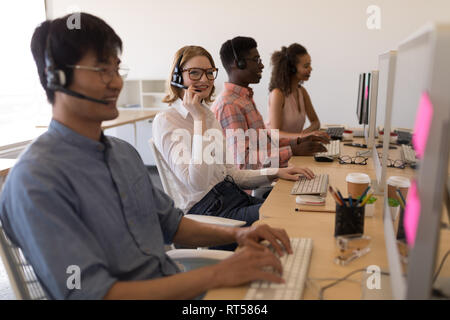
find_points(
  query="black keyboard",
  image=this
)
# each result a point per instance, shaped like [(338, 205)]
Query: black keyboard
[(403, 137), (335, 133)]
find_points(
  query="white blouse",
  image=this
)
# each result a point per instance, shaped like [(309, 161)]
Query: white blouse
[(199, 163)]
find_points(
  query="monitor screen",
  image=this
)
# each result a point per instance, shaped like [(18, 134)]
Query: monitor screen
[(365, 106), (359, 105)]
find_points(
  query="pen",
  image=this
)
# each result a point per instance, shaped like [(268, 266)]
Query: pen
[(366, 199), (362, 196), (335, 196), (350, 199), (401, 199), (340, 196)]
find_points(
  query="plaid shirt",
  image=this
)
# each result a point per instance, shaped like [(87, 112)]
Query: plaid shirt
[(236, 109)]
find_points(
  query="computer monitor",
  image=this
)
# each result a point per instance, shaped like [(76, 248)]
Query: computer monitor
[(365, 105), (422, 77), (360, 102), (386, 78), (370, 111)]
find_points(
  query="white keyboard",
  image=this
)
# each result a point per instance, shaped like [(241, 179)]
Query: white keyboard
[(295, 271), (333, 149), (408, 154), (317, 186)]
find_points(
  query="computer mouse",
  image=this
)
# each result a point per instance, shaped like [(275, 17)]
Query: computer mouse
[(310, 200), (323, 159)]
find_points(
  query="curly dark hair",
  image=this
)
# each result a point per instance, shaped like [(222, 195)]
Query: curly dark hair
[(284, 62)]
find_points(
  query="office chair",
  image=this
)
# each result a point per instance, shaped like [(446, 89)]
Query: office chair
[(170, 185), (21, 275), (190, 258)]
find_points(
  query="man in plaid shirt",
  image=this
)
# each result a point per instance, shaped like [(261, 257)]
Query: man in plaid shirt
[(235, 109)]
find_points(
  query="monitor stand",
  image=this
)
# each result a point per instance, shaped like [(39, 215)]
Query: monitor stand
[(443, 286)]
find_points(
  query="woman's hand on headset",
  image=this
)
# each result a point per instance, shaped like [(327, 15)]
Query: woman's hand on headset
[(192, 102)]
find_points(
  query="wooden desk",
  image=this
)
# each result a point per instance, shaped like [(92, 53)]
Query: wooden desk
[(278, 211), (5, 165), (320, 227), (129, 117), (125, 117)]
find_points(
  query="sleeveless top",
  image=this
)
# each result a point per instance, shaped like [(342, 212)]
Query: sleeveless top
[(294, 113)]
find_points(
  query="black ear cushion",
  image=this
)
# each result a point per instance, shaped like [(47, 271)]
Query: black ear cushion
[(177, 77), (242, 64)]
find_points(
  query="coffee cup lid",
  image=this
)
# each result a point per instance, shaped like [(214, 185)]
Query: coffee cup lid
[(357, 178), (399, 182)]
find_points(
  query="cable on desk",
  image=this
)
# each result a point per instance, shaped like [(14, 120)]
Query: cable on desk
[(322, 290), (440, 266), (338, 280)]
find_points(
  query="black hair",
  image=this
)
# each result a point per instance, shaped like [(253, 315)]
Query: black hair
[(242, 45), (69, 45)]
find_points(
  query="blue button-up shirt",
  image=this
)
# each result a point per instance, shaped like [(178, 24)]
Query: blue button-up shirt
[(73, 201)]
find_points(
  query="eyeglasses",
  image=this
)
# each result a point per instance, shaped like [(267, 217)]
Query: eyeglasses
[(353, 160), (197, 73), (106, 74), (399, 164), (258, 60)]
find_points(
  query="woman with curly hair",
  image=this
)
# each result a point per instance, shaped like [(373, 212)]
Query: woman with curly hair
[(289, 102)]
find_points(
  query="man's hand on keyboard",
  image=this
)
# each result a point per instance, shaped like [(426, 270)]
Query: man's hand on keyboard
[(252, 236), (291, 173), (318, 136), (308, 146), (247, 265)]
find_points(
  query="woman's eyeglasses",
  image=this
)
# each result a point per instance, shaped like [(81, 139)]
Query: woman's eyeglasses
[(353, 160), (197, 73), (399, 164)]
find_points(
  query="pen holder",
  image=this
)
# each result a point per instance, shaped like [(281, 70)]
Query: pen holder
[(349, 220)]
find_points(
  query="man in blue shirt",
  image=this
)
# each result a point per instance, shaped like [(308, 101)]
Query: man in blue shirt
[(79, 198)]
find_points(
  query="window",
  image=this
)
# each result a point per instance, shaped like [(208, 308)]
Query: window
[(23, 103)]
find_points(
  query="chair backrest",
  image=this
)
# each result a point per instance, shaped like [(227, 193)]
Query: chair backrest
[(21, 275), (169, 181)]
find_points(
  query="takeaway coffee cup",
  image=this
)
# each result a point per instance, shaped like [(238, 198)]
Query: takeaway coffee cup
[(357, 183), (401, 183)]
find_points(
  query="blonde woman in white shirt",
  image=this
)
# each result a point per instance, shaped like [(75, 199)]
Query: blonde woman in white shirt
[(182, 133)]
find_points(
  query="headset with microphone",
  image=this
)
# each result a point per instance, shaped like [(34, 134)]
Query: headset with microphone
[(241, 63), (56, 78), (177, 76), (292, 69)]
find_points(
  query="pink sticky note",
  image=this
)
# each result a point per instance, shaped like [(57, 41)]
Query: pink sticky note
[(412, 214), (422, 126)]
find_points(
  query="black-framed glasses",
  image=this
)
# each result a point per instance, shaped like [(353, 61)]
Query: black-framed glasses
[(399, 164), (197, 73), (106, 74), (353, 160), (258, 60)]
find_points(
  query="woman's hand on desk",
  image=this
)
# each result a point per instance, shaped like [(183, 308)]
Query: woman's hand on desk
[(291, 173)]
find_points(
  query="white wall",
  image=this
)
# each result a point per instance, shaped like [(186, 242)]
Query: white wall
[(333, 31)]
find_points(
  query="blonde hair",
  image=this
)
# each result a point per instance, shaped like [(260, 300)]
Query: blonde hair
[(174, 93)]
